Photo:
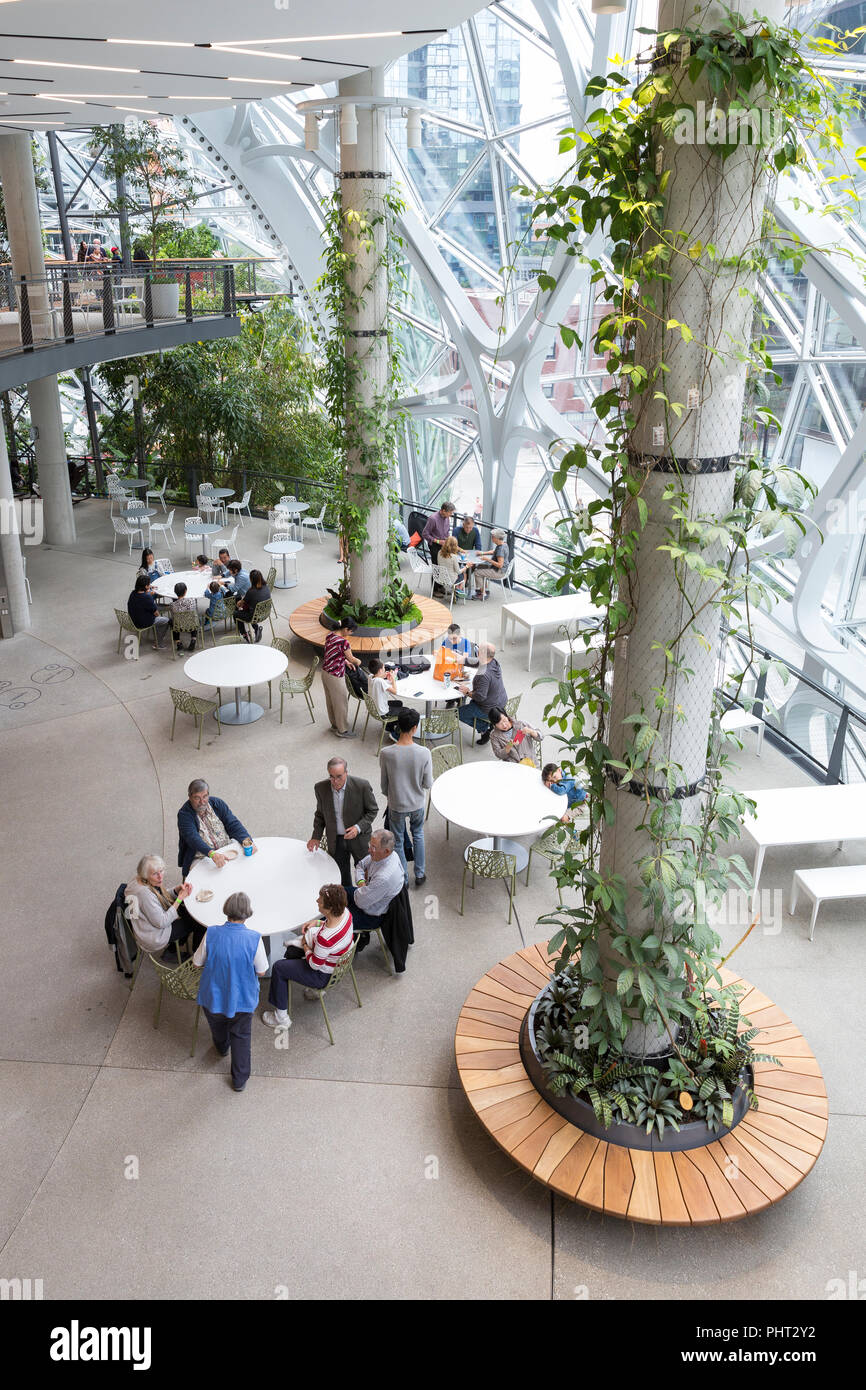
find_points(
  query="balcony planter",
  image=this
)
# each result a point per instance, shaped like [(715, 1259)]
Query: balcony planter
[(165, 298)]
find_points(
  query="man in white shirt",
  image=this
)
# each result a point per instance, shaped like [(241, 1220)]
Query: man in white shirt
[(380, 877), (345, 811)]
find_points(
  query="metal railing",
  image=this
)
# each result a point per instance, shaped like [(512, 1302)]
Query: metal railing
[(73, 302)]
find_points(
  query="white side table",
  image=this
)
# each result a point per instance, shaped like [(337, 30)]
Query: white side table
[(286, 548), (237, 665)]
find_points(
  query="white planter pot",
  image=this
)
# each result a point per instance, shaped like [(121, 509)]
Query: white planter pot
[(165, 300)]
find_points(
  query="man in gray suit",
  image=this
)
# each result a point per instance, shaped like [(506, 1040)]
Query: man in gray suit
[(345, 809)]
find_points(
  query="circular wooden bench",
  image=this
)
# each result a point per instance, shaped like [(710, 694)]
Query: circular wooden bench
[(766, 1156), (435, 618)]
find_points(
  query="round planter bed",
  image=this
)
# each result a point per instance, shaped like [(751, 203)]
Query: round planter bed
[(306, 623), (768, 1154)]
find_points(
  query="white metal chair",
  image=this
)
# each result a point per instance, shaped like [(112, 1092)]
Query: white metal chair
[(416, 564), (218, 543), (128, 529), (164, 527), (158, 493), (116, 493), (317, 521), (192, 536), (445, 579), (277, 521), (239, 507), (211, 508)]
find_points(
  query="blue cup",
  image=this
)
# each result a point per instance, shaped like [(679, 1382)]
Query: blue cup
[(248, 849)]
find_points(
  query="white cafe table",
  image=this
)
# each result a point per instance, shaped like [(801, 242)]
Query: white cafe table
[(282, 881), (546, 612), (424, 688), (293, 510), (196, 583), (812, 815), (497, 800), (236, 665), (285, 548)]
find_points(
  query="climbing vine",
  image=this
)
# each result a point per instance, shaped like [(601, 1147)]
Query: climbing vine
[(737, 77), (361, 380)]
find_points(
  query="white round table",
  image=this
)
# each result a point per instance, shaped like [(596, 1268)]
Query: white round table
[(236, 665), (134, 482), (282, 881), (196, 584), (222, 492), (285, 548), (201, 529), (431, 691), (497, 800)]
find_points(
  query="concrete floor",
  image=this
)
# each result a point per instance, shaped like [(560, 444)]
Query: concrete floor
[(133, 1170)]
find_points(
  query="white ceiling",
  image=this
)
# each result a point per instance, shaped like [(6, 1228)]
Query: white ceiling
[(184, 68)]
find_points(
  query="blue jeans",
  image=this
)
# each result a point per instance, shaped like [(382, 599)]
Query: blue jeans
[(468, 713), (397, 821)]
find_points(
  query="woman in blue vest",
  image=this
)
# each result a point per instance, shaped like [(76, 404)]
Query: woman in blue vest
[(232, 958)]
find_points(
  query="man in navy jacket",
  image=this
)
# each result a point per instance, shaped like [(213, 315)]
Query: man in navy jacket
[(202, 805)]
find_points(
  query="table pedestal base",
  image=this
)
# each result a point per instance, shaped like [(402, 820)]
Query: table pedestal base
[(520, 852), (239, 711)]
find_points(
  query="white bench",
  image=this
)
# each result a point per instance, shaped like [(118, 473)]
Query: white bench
[(546, 612), (826, 885), (574, 655), (736, 719)]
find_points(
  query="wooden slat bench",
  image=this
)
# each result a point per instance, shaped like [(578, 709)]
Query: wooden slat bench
[(765, 1157)]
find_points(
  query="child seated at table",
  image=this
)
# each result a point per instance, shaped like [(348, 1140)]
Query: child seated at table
[(455, 642), (182, 604), (383, 689), (551, 776), (202, 565), (216, 605)]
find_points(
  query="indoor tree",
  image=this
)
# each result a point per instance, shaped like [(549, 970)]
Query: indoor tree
[(152, 167)]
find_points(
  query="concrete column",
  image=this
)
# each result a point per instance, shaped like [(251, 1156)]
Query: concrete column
[(10, 545), (364, 175), (719, 202), (28, 258)]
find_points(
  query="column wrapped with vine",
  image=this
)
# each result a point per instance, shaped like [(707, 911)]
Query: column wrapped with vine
[(361, 382), (666, 553)]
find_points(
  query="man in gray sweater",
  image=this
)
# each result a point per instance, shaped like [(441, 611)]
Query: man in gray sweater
[(407, 775), (487, 691)]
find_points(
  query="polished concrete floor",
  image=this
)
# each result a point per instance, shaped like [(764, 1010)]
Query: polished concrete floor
[(133, 1170)]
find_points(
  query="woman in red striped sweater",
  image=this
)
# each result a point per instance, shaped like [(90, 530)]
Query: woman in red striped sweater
[(323, 943)]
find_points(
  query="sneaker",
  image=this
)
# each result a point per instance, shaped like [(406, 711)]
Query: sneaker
[(270, 1020), (347, 733), (238, 1088), (223, 1052), (419, 881), (258, 632), (312, 994), (485, 738)]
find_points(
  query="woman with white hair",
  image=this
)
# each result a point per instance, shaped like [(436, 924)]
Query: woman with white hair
[(155, 915), (497, 559)]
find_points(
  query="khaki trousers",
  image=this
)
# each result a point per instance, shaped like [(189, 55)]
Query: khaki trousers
[(336, 701)]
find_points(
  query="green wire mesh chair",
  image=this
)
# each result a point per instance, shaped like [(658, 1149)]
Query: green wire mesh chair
[(345, 967), (183, 622), (387, 721), (230, 603), (550, 846), (194, 705), (292, 686), (127, 625), (442, 721), (446, 756), (182, 981), (490, 863), (512, 706), (270, 577), (261, 612), (353, 695)]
